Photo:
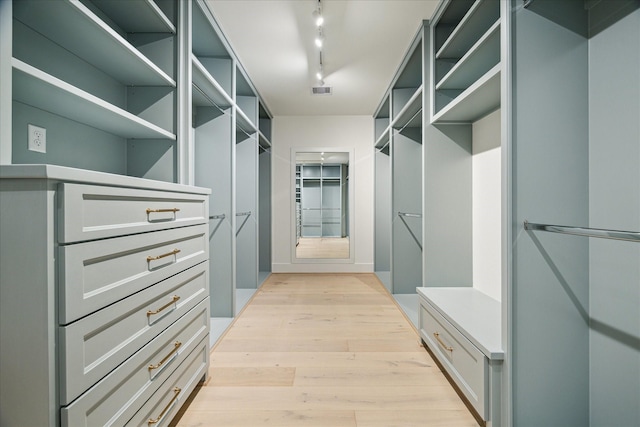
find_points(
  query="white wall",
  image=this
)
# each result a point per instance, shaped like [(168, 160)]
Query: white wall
[(350, 132), (487, 211)]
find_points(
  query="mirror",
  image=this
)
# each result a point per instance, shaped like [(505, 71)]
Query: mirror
[(321, 206)]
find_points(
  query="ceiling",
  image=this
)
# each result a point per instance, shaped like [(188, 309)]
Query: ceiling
[(365, 41)]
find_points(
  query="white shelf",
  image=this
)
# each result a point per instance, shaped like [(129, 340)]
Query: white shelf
[(73, 26), (410, 115), (84, 176), (481, 57), (481, 15), (212, 90), (244, 123), (263, 140), (41, 90), (137, 16), (477, 101), (383, 140), (476, 315)]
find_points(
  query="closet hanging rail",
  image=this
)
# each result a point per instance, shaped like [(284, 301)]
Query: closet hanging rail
[(631, 236), (410, 215), (210, 100), (410, 120), (243, 213), (221, 216), (402, 215)]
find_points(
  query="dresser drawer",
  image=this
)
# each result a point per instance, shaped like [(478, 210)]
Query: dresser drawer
[(117, 397), (467, 365), (92, 212), (95, 274), (164, 405), (93, 346)]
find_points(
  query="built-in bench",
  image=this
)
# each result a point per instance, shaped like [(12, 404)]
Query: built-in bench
[(461, 327)]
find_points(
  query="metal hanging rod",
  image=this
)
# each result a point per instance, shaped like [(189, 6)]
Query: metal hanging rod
[(221, 216), (527, 3), (410, 120), (415, 239), (243, 213), (210, 100), (410, 215), (630, 236)]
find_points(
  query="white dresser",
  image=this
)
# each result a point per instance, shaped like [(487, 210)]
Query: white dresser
[(104, 297), (461, 328)]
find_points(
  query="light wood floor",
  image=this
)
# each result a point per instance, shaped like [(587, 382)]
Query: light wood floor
[(323, 247), (323, 350)]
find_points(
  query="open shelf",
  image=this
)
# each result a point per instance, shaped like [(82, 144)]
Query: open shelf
[(135, 16), (482, 56), (482, 15), (263, 141), (475, 102), (41, 90), (69, 23), (209, 87), (383, 140), (244, 123), (409, 115)]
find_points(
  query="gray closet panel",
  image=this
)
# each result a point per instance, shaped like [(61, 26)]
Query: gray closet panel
[(246, 202), (264, 201), (152, 159), (549, 333), (382, 211), (614, 203), (407, 198), (448, 206), (69, 143), (213, 170)]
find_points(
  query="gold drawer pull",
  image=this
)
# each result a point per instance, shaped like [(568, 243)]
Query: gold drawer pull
[(176, 345), (174, 210), (154, 258), (173, 300), (446, 347), (177, 391)]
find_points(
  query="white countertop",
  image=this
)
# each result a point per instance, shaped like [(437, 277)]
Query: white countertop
[(67, 174)]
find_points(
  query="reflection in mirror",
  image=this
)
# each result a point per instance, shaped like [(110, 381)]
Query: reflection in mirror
[(322, 205)]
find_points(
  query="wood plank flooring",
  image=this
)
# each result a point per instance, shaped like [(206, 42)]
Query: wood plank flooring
[(323, 350), (323, 247)]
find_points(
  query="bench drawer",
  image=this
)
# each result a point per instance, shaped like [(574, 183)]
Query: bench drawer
[(95, 274), (464, 362), (96, 344), (116, 398), (92, 212)]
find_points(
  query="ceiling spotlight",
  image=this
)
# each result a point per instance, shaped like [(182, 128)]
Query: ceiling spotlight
[(319, 40), (319, 75), (317, 16)]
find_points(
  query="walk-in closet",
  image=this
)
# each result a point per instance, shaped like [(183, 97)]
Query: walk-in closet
[(481, 183)]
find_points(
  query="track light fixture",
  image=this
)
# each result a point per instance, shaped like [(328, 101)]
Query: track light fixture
[(317, 15), (319, 41), (319, 38)]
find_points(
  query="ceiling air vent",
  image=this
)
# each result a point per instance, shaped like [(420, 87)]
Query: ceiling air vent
[(321, 90)]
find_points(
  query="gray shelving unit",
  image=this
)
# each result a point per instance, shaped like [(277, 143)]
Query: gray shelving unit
[(574, 300), (110, 105), (398, 130), (232, 140)]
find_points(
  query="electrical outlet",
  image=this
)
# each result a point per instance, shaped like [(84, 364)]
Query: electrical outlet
[(37, 139)]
